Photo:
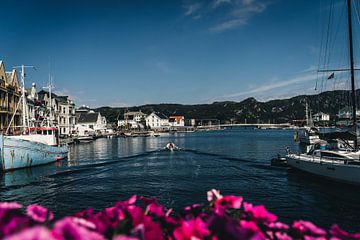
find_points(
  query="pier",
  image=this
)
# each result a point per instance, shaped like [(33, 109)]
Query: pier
[(257, 125)]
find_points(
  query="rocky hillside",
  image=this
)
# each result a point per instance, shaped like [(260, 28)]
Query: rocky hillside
[(249, 110)]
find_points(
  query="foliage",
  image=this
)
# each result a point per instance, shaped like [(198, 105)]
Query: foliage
[(249, 110), (225, 217)]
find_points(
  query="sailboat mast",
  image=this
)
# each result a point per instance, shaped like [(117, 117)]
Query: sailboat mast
[(23, 96), (352, 73)]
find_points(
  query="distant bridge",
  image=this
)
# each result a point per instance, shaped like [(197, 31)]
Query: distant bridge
[(260, 125)]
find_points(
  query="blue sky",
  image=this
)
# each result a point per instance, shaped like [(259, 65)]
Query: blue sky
[(125, 53)]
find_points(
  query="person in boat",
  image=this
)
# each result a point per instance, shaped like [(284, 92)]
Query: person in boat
[(171, 146)]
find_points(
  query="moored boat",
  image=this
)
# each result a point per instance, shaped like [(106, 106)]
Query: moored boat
[(340, 162), (17, 152), (343, 166), (34, 146)]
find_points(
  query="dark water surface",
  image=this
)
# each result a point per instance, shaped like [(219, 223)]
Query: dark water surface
[(235, 161)]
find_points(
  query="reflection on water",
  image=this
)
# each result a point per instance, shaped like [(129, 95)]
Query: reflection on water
[(99, 173)]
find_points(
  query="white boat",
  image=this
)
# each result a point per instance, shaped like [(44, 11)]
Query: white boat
[(343, 166), (171, 147), (340, 162), (85, 139), (307, 136), (35, 146)]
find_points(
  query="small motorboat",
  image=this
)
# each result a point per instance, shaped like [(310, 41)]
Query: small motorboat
[(171, 146), (279, 161)]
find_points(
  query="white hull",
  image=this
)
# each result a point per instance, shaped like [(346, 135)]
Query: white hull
[(334, 170), (309, 140)]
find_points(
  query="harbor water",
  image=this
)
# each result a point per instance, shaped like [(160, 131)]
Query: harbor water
[(235, 161)]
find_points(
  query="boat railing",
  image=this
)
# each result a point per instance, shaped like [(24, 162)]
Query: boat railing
[(333, 160)]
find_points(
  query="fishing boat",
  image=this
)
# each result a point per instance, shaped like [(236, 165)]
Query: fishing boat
[(329, 160), (34, 146), (309, 134)]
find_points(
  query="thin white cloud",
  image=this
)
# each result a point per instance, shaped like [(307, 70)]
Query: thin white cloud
[(239, 15), (227, 25), (192, 8), (274, 85), (233, 13)]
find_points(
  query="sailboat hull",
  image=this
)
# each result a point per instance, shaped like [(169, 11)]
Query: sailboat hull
[(337, 171), (19, 153)]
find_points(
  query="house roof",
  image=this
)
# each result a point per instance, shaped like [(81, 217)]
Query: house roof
[(160, 115), (62, 99), (88, 117), (42, 93)]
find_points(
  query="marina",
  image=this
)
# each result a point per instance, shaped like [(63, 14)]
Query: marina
[(180, 120), (120, 167)]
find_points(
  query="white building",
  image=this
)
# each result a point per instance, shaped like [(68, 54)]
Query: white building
[(92, 120), (132, 119), (66, 115), (177, 121), (157, 121), (319, 117), (62, 111)]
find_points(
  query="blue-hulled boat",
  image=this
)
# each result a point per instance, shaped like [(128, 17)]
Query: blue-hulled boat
[(35, 148)]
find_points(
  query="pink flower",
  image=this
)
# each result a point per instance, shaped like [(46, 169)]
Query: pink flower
[(303, 228), (10, 205), (84, 223), (155, 209), (213, 195), (125, 204), (338, 233), (282, 236), (14, 224), (249, 230), (34, 233), (123, 237), (227, 202), (278, 226), (39, 213), (66, 229), (115, 215), (259, 214), (137, 215), (191, 230)]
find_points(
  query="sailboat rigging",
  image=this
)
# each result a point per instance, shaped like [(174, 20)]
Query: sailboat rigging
[(336, 161), (34, 146)]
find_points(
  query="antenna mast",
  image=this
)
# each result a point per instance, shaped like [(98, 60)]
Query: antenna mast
[(352, 72), (25, 112), (50, 87)]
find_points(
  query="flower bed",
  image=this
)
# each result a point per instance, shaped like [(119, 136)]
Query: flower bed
[(225, 217)]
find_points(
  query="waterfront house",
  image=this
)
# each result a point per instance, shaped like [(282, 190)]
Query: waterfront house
[(66, 115), (177, 121), (132, 120), (321, 117), (63, 111), (9, 98), (345, 116), (157, 120), (92, 120)]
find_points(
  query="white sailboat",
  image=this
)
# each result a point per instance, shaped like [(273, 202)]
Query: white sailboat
[(328, 160), (35, 146), (309, 134)]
